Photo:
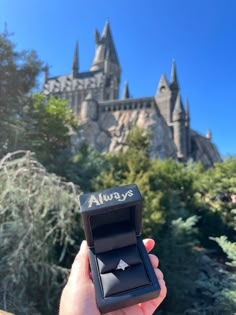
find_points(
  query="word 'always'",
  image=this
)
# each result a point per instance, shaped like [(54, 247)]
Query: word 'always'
[(100, 199)]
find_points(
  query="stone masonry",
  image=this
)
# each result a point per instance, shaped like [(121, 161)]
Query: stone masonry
[(106, 120)]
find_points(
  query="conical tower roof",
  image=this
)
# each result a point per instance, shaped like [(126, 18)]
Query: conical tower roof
[(75, 65), (209, 134), (178, 109), (163, 84), (105, 49), (173, 77), (187, 115), (126, 91)]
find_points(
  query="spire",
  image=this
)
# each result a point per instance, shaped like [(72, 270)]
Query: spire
[(45, 73), (209, 134), (178, 109), (75, 66), (106, 31), (126, 91), (96, 37), (173, 77), (187, 116), (105, 49)]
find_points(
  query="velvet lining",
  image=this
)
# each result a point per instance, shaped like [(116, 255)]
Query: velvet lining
[(108, 261), (123, 280)]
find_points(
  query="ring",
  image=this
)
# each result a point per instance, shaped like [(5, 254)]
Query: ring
[(122, 265)]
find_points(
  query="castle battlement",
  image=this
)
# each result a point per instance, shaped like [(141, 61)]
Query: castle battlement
[(134, 104), (106, 119)]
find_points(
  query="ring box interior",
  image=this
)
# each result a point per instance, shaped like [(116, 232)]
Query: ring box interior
[(121, 269)]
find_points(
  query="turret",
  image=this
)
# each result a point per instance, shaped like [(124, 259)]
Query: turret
[(105, 55), (179, 129), (209, 134), (163, 97), (187, 127), (173, 77), (45, 74), (106, 60), (174, 85), (89, 109), (75, 65), (187, 116), (126, 91)]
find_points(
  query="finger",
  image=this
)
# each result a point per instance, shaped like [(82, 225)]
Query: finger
[(163, 291), (154, 260), (80, 266), (150, 306), (149, 244), (159, 274)]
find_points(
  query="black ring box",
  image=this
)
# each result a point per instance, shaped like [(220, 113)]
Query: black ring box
[(112, 221)]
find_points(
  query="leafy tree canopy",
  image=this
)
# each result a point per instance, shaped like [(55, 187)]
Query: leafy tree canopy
[(18, 73), (48, 126)]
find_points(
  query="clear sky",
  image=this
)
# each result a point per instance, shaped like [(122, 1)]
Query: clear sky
[(199, 35)]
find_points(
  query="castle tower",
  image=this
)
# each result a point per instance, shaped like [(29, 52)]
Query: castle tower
[(89, 109), (179, 129), (209, 135), (187, 128), (163, 99), (106, 60), (174, 85), (75, 65), (126, 91), (46, 74)]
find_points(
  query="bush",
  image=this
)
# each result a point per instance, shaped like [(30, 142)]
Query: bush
[(38, 222)]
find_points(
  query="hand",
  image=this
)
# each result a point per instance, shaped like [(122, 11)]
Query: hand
[(78, 296)]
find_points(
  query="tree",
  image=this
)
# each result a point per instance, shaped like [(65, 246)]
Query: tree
[(18, 73), (174, 195), (39, 234), (217, 188), (48, 124)]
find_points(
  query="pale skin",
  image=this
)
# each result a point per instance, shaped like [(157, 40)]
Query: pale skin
[(78, 296)]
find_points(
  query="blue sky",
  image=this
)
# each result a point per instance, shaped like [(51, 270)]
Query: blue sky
[(148, 35)]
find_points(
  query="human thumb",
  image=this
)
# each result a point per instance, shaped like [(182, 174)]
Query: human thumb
[(80, 266)]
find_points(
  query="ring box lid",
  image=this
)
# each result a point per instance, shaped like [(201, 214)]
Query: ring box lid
[(105, 212)]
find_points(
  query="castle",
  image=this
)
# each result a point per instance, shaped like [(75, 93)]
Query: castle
[(106, 120)]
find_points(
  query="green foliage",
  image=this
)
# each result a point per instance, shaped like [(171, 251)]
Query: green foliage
[(18, 72), (39, 224), (218, 212), (179, 217), (139, 140), (228, 247), (48, 125), (85, 166)]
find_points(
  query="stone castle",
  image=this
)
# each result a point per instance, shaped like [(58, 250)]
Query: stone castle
[(106, 119)]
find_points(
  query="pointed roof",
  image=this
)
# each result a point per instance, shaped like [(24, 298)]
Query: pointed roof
[(209, 134), (46, 69), (126, 91), (162, 85), (173, 76), (105, 48), (163, 80), (75, 66), (187, 109), (178, 109)]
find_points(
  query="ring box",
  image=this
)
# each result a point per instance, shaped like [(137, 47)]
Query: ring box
[(121, 269)]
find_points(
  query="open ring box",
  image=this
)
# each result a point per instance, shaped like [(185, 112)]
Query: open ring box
[(121, 269)]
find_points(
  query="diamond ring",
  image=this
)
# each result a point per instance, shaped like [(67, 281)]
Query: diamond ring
[(122, 265)]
